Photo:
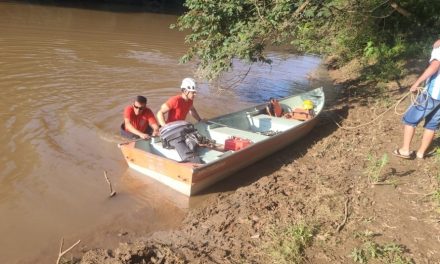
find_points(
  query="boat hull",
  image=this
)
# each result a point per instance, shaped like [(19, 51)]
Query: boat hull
[(176, 175), (205, 176), (190, 178)]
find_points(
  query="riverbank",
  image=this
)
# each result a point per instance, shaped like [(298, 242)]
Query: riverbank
[(337, 196)]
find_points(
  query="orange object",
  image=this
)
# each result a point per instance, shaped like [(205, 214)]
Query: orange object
[(277, 108), (236, 143), (300, 114), (274, 108)]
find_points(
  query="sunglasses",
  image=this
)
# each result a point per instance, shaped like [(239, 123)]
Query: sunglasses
[(139, 107)]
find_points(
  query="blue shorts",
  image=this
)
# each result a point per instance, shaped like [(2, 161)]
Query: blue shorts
[(425, 108)]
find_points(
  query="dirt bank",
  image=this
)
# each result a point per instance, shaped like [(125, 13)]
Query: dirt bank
[(338, 196)]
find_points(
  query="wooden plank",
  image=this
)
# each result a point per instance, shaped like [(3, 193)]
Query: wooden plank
[(179, 171)]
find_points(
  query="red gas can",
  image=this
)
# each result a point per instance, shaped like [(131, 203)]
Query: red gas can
[(236, 143)]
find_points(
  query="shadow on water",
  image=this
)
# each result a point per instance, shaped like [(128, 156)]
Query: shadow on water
[(174, 7)]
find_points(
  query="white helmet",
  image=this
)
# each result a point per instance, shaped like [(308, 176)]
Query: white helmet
[(188, 84)]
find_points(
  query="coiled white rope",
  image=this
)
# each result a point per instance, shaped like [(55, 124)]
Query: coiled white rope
[(414, 97)]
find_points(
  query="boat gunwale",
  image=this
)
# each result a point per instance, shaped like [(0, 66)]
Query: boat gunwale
[(200, 167), (253, 145), (263, 105)]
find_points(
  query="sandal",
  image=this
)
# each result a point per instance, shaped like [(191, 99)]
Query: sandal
[(425, 155), (397, 153)]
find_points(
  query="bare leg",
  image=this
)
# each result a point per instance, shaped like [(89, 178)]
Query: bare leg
[(428, 136), (408, 133)]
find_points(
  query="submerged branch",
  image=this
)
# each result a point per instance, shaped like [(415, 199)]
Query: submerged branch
[(61, 252), (112, 193)]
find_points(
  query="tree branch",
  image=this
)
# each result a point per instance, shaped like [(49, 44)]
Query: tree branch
[(341, 225), (400, 9), (62, 253), (300, 9), (112, 193)]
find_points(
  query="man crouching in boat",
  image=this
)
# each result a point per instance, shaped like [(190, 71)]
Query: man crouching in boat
[(180, 105), (139, 120)]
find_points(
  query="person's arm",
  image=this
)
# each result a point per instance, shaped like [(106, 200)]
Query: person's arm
[(268, 110), (194, 113), (155, 130), (133, 130), (152, 122), (433, 68), (161, 114)]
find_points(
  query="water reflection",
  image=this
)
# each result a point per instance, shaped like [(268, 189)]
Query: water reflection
[(148, 192), (286, 75)]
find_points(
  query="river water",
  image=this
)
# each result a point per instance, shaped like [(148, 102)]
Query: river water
[(66, 74)]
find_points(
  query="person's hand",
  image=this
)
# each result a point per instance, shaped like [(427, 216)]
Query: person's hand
[(414, 88), (144, 136), (155, 133)]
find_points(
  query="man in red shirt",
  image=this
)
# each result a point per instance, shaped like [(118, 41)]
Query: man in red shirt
[(180, 105), (139, 120)]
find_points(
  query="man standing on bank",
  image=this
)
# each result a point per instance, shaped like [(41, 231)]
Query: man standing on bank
[(427, 106), (139, 120), (180, 105)]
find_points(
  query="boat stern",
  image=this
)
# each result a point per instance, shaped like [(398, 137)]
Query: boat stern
[(176, 175)]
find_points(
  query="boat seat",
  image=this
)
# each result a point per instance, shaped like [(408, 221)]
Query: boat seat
[(156, 148), (220, 134), (209, 155), (265, 122), (206, 154)]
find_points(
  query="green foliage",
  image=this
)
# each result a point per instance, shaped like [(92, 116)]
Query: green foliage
[(364, 236), (438, 178), (378, 32), (388, 253), (436, 196), (288, 244), (224, 30), (385, 58), (358, 255), (436, 153), (375, 167)]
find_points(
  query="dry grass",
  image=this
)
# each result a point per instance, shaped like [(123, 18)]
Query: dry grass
[(288, 244)]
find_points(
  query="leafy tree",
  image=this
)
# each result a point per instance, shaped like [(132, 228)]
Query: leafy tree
[(380, 32)]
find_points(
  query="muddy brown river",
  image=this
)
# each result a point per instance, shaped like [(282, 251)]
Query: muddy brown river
[(66, 73)]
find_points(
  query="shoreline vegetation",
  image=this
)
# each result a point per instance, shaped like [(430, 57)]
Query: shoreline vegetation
[(338, 196)]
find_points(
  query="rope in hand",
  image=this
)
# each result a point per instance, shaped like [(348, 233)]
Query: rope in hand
[(414, 97)]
